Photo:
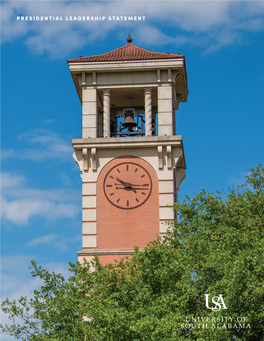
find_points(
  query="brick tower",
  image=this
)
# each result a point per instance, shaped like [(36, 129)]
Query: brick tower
[(131, 160)]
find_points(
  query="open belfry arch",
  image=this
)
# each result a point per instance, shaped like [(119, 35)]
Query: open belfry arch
[(131, 159)]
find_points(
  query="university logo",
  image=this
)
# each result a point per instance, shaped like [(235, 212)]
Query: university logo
[(217, 303)]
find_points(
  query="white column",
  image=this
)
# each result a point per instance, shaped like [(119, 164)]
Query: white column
[(165, 110), (148, 112), (106, 100), (89, 112)]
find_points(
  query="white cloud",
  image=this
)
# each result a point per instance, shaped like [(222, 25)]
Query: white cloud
[(16, 280), (207, 21), (20, 203), (42, 144), (18, 268), (9, 181), (43, 240), (46, 145), (65, 179), (64, 243), (7, 154), (53, 240)]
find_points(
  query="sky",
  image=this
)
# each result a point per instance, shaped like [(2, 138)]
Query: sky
[(221, 123)]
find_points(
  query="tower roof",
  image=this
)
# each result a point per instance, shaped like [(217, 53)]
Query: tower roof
[(126, 53)]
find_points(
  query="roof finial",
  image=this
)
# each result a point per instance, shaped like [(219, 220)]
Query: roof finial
[(129, 39)]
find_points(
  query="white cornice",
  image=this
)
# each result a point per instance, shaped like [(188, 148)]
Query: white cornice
[(128, 142), (127, 65)]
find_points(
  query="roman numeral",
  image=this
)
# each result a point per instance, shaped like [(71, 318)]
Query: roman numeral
[(127, 202), (136, 170), (118, 200), (137, 200), (127, 167), (111, 177), (118, 170), (109, 185), (143, 193), (142, 176), (112, 194)]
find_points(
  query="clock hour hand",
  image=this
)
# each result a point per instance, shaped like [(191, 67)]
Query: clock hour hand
[(127, 187), (128, 184), (133, 185)]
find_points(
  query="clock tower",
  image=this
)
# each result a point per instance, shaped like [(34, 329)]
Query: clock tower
[(131, 159)]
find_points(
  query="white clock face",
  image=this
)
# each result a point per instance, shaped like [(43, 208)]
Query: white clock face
[(127, 185)]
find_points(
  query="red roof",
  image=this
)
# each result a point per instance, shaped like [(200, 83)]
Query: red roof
[(126, 53)]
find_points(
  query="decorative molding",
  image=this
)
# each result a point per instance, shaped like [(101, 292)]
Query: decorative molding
[(93, 154), (169, 74), (158, 75), (78, 160), (178, 155), (179, 98), (176, 77), (83, 78), (85, 159), (180, 176), (90, 252), (169, 163), (94, 78), (160, 156), (127, 142)]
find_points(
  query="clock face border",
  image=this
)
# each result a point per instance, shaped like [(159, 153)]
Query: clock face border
[(140, 204)]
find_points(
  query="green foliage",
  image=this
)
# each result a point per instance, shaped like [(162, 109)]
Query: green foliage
[(216, 247), (53, 313)]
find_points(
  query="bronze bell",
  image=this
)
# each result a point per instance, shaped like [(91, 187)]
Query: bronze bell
[(129, 121)]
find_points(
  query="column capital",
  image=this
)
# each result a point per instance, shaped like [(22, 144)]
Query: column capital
[(147, 90), (106, 91)]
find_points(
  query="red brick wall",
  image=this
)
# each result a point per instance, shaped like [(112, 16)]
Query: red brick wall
[(125, 228), (106, 259)]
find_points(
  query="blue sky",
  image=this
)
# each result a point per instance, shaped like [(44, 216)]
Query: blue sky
[(221, 123)]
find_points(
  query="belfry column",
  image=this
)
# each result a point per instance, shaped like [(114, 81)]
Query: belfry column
[(148, 111), (106, 100)]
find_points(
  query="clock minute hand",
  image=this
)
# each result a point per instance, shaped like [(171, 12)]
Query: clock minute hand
[(122, 182), (141, 189), (145, 185), (126, 184)]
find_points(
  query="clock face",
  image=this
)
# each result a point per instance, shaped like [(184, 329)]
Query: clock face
[(127, 185)]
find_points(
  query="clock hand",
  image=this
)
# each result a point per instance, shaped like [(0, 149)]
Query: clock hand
[(128, 184), (133, 185), (132, 189), (141, 189), (123, 182)]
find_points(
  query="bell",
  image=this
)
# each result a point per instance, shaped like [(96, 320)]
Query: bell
[(129, 121)]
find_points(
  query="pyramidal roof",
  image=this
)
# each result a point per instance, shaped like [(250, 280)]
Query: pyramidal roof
[(126, 53)]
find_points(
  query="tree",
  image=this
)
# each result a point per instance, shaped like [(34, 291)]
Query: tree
[(215, 248)]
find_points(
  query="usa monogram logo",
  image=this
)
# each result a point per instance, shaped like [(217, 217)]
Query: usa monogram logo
[(217, 303)]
